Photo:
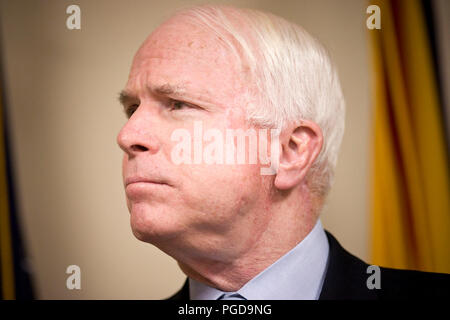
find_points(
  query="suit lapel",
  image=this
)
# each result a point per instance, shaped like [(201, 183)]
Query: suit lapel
[(346, 275)]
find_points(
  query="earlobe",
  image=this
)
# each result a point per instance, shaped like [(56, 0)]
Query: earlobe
[(299, 149)]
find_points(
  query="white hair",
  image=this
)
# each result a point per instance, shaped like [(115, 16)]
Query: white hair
[(292, 73)]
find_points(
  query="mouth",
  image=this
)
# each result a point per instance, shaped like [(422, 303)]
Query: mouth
[(135, 180)]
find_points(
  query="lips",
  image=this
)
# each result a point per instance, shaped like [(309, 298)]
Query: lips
[(131, 180)]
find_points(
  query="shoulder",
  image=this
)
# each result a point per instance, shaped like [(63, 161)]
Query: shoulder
[(347, 278), (409, 284)]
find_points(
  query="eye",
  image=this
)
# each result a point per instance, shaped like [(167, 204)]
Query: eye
[(129, 110), (177, 105)]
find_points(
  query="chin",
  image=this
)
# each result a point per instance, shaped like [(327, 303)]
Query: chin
[(152, 225)]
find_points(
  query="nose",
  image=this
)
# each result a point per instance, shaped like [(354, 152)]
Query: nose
[(135, 137)]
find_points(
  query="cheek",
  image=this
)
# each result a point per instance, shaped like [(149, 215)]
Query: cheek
[(235, 118), (222, 190)]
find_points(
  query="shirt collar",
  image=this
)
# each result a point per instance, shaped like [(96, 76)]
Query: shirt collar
[(297, 275)]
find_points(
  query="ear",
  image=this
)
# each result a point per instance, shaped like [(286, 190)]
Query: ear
[(300, 146)]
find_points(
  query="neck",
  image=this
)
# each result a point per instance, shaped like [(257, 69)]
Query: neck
[(289, 224)]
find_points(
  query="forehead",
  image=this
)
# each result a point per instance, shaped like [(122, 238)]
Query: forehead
[(183, 54)]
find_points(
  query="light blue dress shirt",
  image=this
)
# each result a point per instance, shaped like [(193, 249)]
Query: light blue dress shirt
[(297, 275)]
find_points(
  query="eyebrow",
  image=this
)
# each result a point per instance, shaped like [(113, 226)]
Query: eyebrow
[(165, 89), (168, 89)]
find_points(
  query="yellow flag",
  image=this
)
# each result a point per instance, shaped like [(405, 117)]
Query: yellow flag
[(410, 171)]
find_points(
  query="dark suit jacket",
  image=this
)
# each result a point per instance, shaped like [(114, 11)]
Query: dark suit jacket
[(346, 279)]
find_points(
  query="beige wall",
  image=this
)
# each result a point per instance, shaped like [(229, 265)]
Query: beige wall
[(62, 89)]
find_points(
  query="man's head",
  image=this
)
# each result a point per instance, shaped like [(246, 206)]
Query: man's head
[(228, 69)]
